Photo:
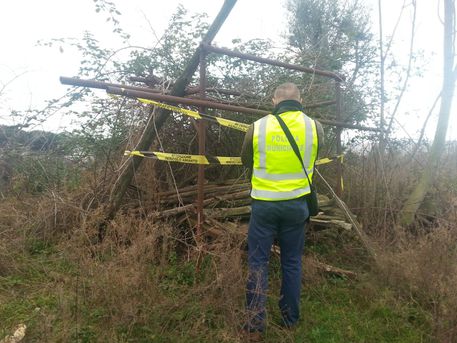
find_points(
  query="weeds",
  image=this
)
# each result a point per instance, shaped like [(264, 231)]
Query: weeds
[(141, 285), (424, 269), (149, 282)]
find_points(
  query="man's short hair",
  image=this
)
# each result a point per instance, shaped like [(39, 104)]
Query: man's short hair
[(287, 91)]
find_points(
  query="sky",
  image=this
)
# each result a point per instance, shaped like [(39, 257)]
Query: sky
[(32, 72)]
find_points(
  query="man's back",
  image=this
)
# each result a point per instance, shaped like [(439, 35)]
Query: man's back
[(277, 172), (279, 209)]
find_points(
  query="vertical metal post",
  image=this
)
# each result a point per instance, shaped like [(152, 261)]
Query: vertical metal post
[(339, 150), (201, 146)]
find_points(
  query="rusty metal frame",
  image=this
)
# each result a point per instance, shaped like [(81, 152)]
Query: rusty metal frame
[(210, 48), (202, 102), (216, 105)]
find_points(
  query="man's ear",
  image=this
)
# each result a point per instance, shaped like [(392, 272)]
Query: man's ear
[(274, 101)]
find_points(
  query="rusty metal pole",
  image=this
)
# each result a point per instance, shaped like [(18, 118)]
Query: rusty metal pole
[(217, 105), (339, 150), (201, 147), (210, 48)]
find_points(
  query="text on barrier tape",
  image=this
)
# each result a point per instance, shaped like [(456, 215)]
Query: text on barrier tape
[(204, 159)]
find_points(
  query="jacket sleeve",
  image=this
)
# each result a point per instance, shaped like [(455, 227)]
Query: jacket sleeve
[(247, 154)]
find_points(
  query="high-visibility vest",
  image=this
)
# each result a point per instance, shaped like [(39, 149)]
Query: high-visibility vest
[(277, 173)]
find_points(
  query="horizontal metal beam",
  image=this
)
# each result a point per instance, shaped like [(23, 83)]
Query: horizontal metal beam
[(73, 81), (265, 108), (227, 52), (105, 85), (233, 103), (146, 93), (216, 105), (185, 101)]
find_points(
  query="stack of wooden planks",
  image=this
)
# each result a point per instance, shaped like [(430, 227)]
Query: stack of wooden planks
[(230, 201)]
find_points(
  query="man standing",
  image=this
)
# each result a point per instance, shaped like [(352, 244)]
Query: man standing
[(279, 209)]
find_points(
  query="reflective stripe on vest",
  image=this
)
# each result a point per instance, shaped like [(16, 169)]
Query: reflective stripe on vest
[(275, 195), (277, 173)]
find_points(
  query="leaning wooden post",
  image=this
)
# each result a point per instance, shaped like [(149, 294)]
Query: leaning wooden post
[(339, 150), (158, 118), (201, 146)]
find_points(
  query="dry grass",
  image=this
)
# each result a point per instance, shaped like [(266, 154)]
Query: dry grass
[(419, 262), (142, 282), (144, 275), (424, 269)]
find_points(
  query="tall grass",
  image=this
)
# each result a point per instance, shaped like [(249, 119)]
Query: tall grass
[(149, 281), (418, 262)]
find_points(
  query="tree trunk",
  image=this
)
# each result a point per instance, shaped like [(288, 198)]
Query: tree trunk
[(428, 175), (158, 117)]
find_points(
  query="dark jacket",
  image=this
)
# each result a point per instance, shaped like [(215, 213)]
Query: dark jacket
[(247, 154)]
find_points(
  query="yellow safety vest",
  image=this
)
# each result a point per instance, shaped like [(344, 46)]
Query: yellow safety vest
[(277, 173)]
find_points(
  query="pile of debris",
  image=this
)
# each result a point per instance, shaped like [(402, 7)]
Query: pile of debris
[(227, 210), (229, 201)]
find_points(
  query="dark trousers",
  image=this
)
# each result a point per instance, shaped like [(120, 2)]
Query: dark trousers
[(284, 220)]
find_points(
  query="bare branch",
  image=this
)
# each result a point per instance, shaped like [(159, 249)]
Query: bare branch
[(389, 44), (7, 83), (408, 71), (421, 136)]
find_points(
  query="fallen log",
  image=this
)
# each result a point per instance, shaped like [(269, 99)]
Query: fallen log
[(209, 191), (320, 219), (228, 212), (214, 201), (325, 268), (321, 267), (331, 223), (207, 188)]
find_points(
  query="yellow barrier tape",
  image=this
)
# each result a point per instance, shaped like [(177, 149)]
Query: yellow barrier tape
[(342, 182), (192, 159), (224, 122), (186, 158), (194, 114), (190, 113), (233, 124), (229, 160), (134, 153), (326, 160), (205, 159)]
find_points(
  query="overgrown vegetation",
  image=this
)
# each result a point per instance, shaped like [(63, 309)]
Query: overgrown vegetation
[(148, 281), (142, 283)]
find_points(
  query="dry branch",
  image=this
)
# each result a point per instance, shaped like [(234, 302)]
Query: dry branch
[(321, 267), (231, 201), (328, 269), (350, 216)]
